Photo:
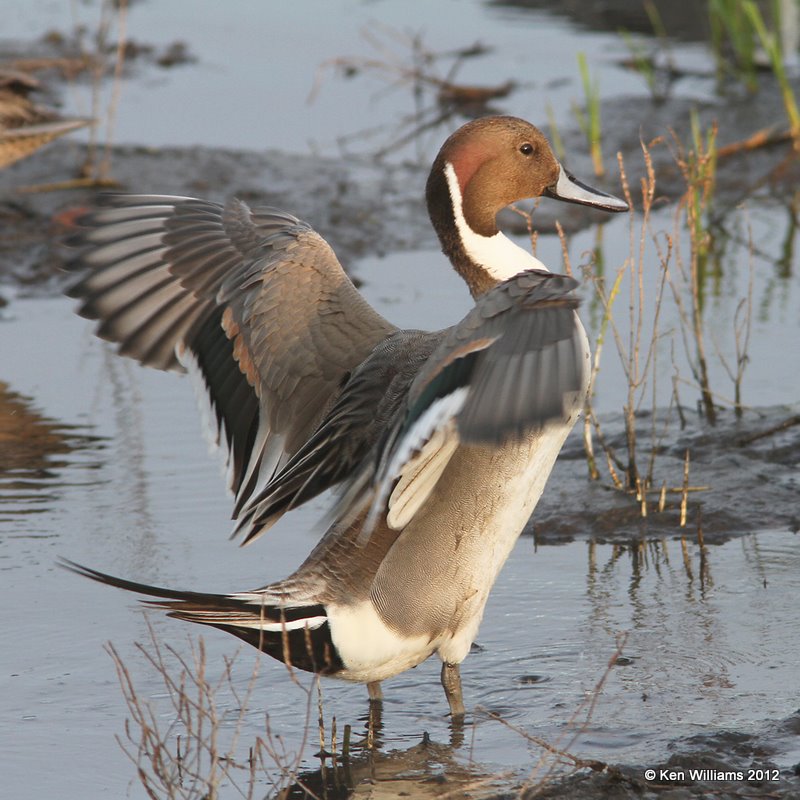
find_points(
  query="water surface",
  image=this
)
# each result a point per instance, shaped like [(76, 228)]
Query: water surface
[(105, 463)]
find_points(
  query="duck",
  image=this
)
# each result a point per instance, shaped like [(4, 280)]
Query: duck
[(439, 443), (25, 126)]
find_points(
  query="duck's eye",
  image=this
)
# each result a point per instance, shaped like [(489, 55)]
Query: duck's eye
[(526, 149)]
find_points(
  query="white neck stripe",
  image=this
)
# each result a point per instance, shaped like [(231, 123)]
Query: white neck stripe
[(497, 254)]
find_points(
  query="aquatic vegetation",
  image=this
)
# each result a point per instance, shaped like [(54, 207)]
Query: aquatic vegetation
[(738, 31), (688, 258), (589, 120), (637, 352), (642, 62), (698, 166), (743, 46), (773, 47), (732, 42), (658, 77)]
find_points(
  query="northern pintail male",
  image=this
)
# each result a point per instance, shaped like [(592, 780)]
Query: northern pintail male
[(442, 442)]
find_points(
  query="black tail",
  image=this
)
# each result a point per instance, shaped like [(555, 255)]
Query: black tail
[(296, 635)]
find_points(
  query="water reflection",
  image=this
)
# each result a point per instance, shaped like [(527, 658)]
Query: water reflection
[(698, 626), (34, 454), (117, 385), (425, 770)]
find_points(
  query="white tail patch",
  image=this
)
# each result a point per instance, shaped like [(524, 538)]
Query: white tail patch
[(312, 623)]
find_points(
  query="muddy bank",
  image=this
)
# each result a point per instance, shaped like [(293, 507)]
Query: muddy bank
[(744, 475), (364, 207), (683, 21), (687, 775), (360, 206), (725, 765)]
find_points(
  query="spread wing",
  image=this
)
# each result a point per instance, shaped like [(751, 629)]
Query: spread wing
[(368, 404), (514, 364), (252, 302)]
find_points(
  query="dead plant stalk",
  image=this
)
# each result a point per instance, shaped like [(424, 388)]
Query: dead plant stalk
[(698, 167), (195, 752), (638, 357)]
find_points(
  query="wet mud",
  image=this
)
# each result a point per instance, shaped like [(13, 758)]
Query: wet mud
[(360, 206), (743, 471), (727, 765)]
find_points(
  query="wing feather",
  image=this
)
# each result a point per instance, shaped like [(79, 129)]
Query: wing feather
[(172, 279), (369, 402)]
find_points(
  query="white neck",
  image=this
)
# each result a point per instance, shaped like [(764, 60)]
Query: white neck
[(497, 254)]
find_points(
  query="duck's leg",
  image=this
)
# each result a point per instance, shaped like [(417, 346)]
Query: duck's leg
[(375, 692), (375, 721), (451, 681)]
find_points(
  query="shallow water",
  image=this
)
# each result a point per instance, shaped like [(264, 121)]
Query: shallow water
[(257, 68), (104, 463), (709, 648)]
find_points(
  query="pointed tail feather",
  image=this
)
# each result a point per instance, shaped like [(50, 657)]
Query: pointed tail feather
[(296, 635)]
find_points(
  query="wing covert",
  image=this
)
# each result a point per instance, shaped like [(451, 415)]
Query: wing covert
[(514, 364)]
